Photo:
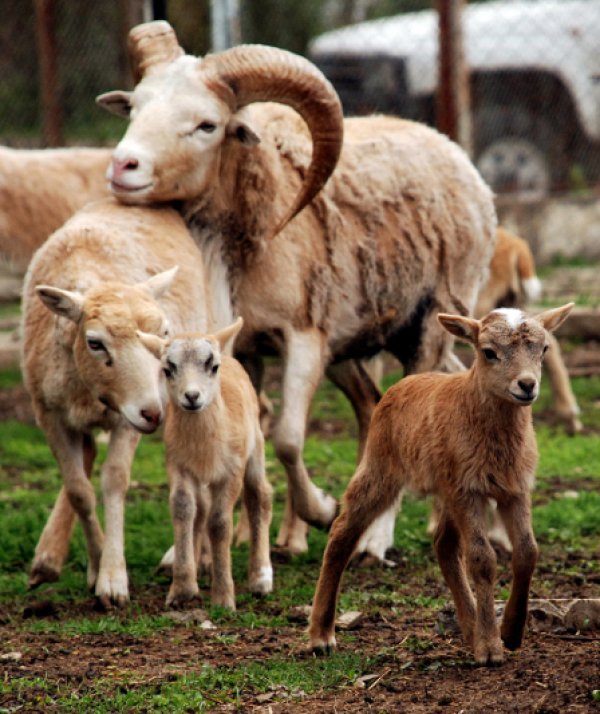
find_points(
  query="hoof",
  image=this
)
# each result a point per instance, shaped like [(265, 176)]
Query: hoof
[(42, 574)]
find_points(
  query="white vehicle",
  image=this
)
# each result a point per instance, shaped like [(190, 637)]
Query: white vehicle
[(535, 84)]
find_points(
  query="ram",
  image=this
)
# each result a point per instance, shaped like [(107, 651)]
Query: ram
[(39, 190), (108, 273), (404, 227)]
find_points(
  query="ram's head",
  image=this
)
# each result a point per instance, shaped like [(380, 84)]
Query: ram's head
[(183, 109)]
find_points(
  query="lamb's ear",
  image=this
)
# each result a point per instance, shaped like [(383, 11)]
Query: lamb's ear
[(158, 284), (63, 302), (116, 102), (551, 319), (153, 343), (228, 333), (465, 328), (242, 131)]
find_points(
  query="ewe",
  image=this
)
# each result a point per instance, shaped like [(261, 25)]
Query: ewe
[(403, 228), (465, 438), (214, 446), (107, 273)]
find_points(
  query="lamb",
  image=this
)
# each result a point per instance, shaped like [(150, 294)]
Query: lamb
[(465, 438), (513, 283), (404, 227), (108, 272), (39, 190), (214, 446)]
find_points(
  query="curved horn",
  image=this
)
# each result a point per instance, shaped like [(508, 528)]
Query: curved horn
[(256, 73), (151, 44)]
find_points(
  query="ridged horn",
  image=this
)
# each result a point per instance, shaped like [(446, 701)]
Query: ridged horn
[(256, 73), (151, 44)]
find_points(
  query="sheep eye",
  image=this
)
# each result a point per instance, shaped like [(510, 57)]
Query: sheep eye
[(545, 349), (215, 368), (166, 372), (490, 355), (95, 345), (170, 369), (207, 127)]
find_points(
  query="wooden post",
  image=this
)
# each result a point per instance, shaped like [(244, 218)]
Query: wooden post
[(225, 24), (50, 94), (453, 96)]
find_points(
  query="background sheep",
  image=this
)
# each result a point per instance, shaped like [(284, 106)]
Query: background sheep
[(465, 438), (100, 279), (39, 190), (214, 446), (405, 226)]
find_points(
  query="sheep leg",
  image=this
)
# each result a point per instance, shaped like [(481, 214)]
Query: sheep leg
[(366, 498), (303, 365), (447, 549), (184, 505), (516, 516), (220, 532), (53, 545), (68, 449), (565, 404), (352, 379), (481, 564), (257, 502), (293, 530), (111, 584)]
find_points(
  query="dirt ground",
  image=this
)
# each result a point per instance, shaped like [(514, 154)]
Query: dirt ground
[(554, 672)]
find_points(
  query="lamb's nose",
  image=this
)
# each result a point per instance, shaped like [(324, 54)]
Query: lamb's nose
[(527, 385), (120, 166), (192, 397)]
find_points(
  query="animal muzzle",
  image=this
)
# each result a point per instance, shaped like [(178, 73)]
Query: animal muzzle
[(525, 390)]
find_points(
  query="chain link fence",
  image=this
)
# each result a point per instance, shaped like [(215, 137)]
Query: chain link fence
[(534, 71)]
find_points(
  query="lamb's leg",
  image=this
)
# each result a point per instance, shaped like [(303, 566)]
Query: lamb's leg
[(257, 501), (111, 584), (366, 498), (481, 564), (68, 449), (447, 549), (565, 404), (220, 531), (293, 530), (352, 379), (303, 362), (53, 546), (183, 503), (516, 515)]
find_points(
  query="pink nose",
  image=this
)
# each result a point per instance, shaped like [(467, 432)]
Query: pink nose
[(152, 416), (120, 166)]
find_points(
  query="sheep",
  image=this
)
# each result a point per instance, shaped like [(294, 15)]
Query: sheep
[(39, 190), (109, 271), (214, 444), (404, 227), (464, 437), (513, 283)]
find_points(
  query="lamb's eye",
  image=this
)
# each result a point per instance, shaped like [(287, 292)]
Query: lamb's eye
[(215, 368), (207, 127), (545, 349), (95, 345), (490, 355), (170, 369), (166, 372)]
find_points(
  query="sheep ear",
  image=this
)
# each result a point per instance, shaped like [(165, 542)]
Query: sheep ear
[(158, 284), (242, 131), (153, 343), (551, 319), (228, 333), (116, 102), (465, 328), (62, 302)]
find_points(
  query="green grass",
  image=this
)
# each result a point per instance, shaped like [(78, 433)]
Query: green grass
[(29, 482)]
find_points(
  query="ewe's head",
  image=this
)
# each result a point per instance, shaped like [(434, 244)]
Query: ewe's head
[(190, 363), (509, 348), (184, 109), (110, 358)]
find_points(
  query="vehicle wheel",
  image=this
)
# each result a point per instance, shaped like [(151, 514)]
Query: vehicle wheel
[(517, 152)]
